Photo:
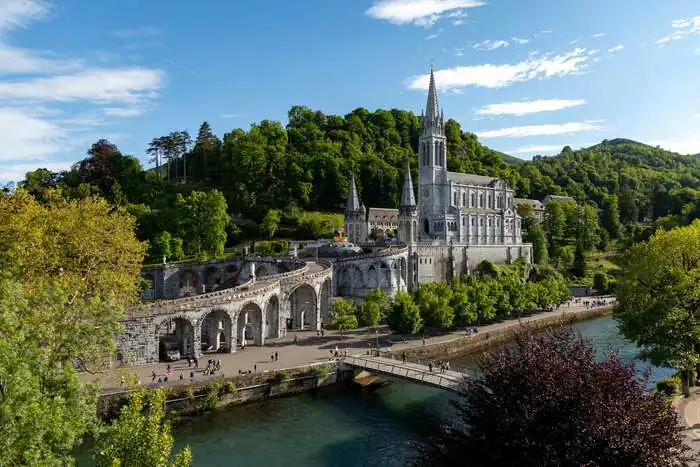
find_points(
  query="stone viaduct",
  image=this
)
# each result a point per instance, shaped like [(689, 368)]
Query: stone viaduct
[(220, 306)]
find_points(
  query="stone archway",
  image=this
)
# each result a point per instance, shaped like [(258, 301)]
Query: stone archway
[(250, 325), (189, 283), (272, 318), (302, 307), (216, 332), (379, 277), (261, 271), (349, 281), (175, 339), (326, 301)]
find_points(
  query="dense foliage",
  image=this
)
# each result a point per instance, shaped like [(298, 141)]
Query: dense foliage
[(135, 439), (548, 401), (269, 174), (659, 295)]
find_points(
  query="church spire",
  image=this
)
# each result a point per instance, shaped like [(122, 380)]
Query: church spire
[(353, 199), (432, 111), (408, 199)]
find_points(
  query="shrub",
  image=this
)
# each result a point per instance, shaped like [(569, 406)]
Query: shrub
[(189, 394), (669, 386), (230, 387), (281, 376), (321, 371), (213, 397)]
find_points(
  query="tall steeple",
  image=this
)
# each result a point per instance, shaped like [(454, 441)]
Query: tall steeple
[(432, 109), (353, 199), (408, 199)]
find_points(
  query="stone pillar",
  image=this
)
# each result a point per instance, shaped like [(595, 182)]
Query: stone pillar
[(234, 332), (317, 326), (197, 342)]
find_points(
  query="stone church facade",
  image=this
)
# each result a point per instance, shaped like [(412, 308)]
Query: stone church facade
[(457, 220)]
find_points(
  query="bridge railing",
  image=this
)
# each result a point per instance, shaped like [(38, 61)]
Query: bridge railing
[(436, 378), (471, 372)]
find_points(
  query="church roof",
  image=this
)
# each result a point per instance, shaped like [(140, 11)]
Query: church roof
[(353, 199), (536, 204), (383, 215), (407, 196), (432, 109), (470, 179)]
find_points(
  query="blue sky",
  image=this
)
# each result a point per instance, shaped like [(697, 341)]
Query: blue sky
[(526, 76)]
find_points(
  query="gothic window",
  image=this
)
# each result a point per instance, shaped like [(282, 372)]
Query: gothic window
[(473, 222), (455, 199), (490, 200), (426, 225), (481, 222), (464, 221), (464, 198), (473, 200), (481, 200), (490, 222), (499, 202)]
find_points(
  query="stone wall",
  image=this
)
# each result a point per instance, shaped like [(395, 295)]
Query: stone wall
[(249, 388), (483, 341)]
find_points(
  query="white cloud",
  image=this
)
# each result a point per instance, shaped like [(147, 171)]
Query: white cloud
[(459, 52), (494, 44), (543, 149), (540, 130), (458, 22), (16, 14), (96, 85), (600, 34), (683, 28), (617, 48), (498, 76), (17, 172), (418, 12), (25, 136), (15, 60), (530, 107), (681, 147), (491, 44), (573, 42)]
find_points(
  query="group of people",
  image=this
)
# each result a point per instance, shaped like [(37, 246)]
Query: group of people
[(212, 367), (441, 366)]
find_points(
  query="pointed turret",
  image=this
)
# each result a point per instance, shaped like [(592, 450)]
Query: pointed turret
[(353, 199), (408, 199), (432, 109)]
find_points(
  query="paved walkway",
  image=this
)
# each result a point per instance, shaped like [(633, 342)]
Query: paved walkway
[(298, 348), (688, 409)]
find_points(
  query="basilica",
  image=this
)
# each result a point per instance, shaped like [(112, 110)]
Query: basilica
[(455, 222)]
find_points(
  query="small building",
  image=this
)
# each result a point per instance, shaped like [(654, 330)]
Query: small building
[(537, 207)]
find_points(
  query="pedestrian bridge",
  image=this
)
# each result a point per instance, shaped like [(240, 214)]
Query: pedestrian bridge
[(449, 380)]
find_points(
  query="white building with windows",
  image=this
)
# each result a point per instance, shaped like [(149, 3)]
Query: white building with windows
[(456, 221)]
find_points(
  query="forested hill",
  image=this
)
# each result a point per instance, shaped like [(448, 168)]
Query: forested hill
[(308, 163), (649, 181)]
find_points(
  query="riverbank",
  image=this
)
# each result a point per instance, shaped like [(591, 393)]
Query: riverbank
[(303, 363)]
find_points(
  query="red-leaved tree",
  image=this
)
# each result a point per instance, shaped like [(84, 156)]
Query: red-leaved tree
[(546, 401)]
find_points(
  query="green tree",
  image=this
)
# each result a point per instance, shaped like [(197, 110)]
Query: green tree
[(374, 307), (579, 267), (600, 282), (270, 223), (538, 238), (588, 229), (658, 297), (176, 248), (161, 246), (404, 315), (554, 220), (465, 312), (611, 216), (343, 317), (135, 439), (433, 300), (206, 222)]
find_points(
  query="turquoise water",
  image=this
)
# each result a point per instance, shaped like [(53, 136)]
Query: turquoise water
[(345, 428)]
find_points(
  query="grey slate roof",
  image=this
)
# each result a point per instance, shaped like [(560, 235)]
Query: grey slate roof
[(353, 199), (536, 204), (470, 179), (407, 196)]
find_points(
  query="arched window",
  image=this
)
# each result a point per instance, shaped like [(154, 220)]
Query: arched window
[(499, 202), (490, 202), (455, 199), (473, 200), (464, 198), (481, 200)]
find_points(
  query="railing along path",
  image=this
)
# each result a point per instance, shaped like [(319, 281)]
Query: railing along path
[(449, 380)]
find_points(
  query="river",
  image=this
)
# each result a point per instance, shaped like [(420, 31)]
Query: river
[(346, 428)]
